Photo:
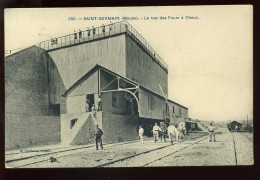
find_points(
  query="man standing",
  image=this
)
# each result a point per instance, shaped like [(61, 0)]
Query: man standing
[(75, 35), (141, 132), (182, 129), (99, 108), (211, 130), (163, 131), (87, 104), (156, 130), (93, 109), (98, 133)]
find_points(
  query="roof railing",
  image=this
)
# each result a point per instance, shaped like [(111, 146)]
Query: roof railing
[(100, 32)]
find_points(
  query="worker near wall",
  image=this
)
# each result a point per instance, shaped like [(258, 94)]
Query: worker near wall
[(75, 35), (211, 130), (80, 34), (141, 132), (155, 131), (99, 105), (163, 131), (173, 131), (182, 129), (87, 104), (98, 134), (93, 109)]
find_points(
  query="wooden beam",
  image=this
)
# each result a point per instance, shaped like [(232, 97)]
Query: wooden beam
[(109, 84), (119, 89)]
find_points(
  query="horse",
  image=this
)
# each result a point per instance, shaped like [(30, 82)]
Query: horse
[(172, 130)]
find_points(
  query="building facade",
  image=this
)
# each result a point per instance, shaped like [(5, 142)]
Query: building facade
[(111, 64)]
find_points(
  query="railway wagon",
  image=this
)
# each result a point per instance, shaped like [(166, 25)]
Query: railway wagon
[(234, 126)]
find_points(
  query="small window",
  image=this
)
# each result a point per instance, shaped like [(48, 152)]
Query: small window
[(180, 112), (114, 99), (73, 122), (173, 109)]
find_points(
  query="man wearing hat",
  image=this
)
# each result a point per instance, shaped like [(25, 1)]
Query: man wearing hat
[(98, 133)]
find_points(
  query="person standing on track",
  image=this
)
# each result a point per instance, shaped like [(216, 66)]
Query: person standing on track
[(98, 133), (156, 130), (141, 132), (211, 129)]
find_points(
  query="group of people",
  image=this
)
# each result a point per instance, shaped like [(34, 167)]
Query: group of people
[(162, 131), (179, 132), (93, 108)]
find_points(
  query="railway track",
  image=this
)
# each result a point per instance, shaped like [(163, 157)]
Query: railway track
[(246, 136), (62, 152), (27, 161), (236, 151), (156, 150)]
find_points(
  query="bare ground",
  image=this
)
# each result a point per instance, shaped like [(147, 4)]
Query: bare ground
[(188, 153), (91, 157)]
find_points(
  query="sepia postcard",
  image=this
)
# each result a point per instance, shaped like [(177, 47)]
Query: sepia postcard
[(129, 86)]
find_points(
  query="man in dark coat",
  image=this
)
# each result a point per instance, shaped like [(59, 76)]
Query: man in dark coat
[(98, 133), (163, 132)]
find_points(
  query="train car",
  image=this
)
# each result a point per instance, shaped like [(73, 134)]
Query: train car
[(191, 126), (234, 126)]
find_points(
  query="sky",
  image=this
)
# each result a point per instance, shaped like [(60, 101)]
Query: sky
[(210, 58)]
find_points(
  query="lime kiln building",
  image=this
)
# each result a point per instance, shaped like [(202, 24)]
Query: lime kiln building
[(46, 86)]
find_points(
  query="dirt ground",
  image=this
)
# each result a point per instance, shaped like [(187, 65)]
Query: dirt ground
[(220, 153), (92, 157), (196, 150), (244, 148)]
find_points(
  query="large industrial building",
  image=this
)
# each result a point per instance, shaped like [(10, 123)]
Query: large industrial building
[(46, 86)]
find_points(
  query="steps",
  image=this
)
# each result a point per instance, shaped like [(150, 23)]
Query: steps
[(82, 131)]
